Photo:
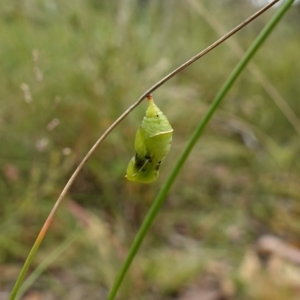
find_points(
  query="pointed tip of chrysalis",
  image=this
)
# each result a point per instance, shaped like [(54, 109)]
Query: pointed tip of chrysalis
[(150, 101), (150, 98), (152, 111)]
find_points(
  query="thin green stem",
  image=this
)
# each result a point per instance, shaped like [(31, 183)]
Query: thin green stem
[(192, 141), (45, 264)]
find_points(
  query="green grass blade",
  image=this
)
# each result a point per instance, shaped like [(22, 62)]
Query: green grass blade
[(24, 269), (45, 264), (18, 285), (192, 141)]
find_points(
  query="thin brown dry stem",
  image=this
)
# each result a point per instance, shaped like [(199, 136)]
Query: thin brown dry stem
[(149, 91), (152, 89), (253, 68)]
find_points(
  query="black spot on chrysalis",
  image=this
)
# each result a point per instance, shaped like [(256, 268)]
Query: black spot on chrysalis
[(139, 161), (148, 157)]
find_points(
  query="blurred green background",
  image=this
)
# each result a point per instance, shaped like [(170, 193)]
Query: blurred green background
[(68, 70)]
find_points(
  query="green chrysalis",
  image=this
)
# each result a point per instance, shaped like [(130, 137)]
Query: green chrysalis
[(152, 144)]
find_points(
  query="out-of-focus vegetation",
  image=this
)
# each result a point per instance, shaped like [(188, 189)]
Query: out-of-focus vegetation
[(68, 69)]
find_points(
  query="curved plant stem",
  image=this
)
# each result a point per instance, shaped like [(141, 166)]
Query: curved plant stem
[(192, 141), (105, 134)]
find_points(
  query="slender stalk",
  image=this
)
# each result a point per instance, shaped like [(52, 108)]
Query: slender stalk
[(105, 134), (45, 264), (256, 72), (192, 141)]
